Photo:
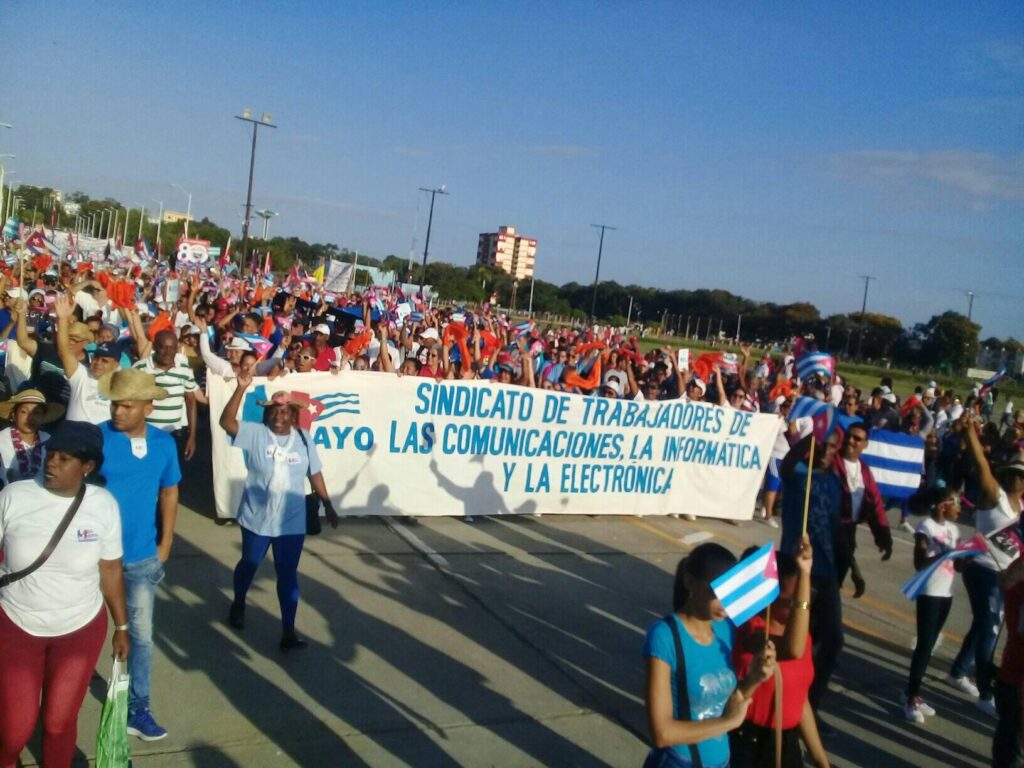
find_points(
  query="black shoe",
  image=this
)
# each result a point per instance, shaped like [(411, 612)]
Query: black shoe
[(236, 616), (292, 642)]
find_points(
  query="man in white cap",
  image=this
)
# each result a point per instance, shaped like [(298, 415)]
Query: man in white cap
[(142, 472), (234, 350)]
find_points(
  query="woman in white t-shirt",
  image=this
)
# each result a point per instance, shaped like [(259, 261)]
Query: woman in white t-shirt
[(21, 444), (999, 505), (935, 535), (52, 622)]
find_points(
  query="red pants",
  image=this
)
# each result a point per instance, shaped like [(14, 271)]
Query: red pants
[(55, 670)]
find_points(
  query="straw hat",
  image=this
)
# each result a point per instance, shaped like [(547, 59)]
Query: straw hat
[(299, 400), (130, 384), (80, 332), (53, 410)]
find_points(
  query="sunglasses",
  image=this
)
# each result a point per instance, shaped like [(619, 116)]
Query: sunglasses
[(306, 357)]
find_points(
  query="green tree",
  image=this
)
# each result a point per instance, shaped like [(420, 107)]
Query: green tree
[(949, 341)]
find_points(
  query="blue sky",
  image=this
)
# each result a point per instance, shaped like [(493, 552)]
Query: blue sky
[(778, 153)]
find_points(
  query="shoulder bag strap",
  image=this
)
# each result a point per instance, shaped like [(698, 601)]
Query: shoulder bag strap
[(682, 693), (50, 545), (302, 437)]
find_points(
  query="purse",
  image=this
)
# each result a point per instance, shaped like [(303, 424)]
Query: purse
[(51, 545), (313, 527)]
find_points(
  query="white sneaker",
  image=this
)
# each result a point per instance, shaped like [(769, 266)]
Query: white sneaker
[(771, 522), (988, 706), (912, 710), (926, 710), (906, 526), (691, 518), (963, 684)]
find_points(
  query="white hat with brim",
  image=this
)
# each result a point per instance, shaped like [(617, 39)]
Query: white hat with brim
[(430, 333), (238, 344), (323, 328)]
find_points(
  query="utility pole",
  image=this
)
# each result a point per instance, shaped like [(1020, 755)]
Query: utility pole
[(430, 221), (687, 334), (863, 308), (529, 312), (629, 313), (264, 120), (739, 320), (600, 248), (970, 304)]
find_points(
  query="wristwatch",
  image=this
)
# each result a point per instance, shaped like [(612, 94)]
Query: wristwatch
[(121, 628)]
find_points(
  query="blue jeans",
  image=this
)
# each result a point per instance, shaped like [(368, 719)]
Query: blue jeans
[(140, 580), (982, 586), (287, 551)]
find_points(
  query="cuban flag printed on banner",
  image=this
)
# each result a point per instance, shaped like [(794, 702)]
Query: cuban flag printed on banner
[(896, 461), (915, 585), (811, 363), (822, 414), (750, 586)]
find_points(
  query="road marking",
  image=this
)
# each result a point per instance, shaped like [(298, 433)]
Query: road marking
[(656, 531), (906, 616), (417, 543), (696, 538)]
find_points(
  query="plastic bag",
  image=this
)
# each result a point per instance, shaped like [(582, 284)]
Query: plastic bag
[(112, 739)]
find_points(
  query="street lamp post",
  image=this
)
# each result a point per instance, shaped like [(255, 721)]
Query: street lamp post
[(264, 120), (970, 298), (597, 273), (266, 214), (188, 211), (430, 220)]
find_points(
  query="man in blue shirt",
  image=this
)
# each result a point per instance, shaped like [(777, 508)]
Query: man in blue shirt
[(140, 463), (822, 528)]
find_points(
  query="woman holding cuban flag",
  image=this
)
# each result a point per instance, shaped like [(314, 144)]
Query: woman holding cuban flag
[(693, 696)]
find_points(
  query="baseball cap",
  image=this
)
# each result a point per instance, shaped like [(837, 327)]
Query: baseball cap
[(107, 349), (323, 328), (614, 385)]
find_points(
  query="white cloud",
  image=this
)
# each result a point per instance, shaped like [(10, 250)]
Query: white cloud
[(979, 177)]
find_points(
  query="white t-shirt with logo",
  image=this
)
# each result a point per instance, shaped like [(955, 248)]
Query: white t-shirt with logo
[(941, 538), (64, 593), (855, 482), (86, 403)]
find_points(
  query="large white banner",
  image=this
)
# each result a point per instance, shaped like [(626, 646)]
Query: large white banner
[(395, 445)]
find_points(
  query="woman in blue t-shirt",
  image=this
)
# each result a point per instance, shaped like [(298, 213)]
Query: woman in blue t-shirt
[(699, 626)]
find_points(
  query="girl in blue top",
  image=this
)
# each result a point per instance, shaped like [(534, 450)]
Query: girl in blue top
[(717, 703)]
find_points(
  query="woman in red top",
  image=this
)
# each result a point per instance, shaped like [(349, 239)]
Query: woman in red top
[(752, 745)]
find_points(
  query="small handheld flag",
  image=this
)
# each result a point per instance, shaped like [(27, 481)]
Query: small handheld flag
[(811, 363), (915, 585), (821, 413), (749, 586)]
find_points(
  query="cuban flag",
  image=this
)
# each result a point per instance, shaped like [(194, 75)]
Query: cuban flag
[(750, 586), (821, 413), (520, 329), (142, 250), (915, 585), (260, 345), (896, 461), (811, 363), (991, 382), (40, 246)]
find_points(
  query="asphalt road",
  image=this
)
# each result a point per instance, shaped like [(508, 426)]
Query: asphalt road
[(510, 641)]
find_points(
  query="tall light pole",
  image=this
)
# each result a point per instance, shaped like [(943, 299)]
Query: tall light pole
[(142, 216), (970, 298), (266, 214), (188, 211), (10, 196), (430, 220), (600, 249), (264, 120), (863, 308), (2, 198)]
